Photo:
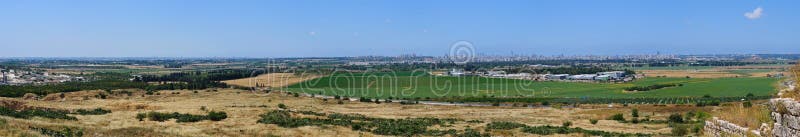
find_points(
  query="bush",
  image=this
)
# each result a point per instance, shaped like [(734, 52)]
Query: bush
[(282, 106), (504, 125), (747, 104), (96, 111), (217, 116), (65, 132), (617, 117), (593, 121), (161, 117), (45, 113), (141, 116), (635, 112), (679, 130), (566, 124), (675, 118)]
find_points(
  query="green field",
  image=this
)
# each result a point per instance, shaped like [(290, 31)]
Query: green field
[(408, 85)]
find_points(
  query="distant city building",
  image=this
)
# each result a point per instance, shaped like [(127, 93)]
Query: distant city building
[(4, 79), (603, 77), (582, 77), (358, 63), (496, 73), (557, 76), (456, 72), (613, 74)]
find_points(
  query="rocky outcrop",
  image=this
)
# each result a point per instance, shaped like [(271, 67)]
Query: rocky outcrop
[(786, 115), (721, 128)]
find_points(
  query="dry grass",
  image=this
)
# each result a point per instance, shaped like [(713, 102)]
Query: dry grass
[(270, 80), (243, 114), (794, 75), (750, 117)]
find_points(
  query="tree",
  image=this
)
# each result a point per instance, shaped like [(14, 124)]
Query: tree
[(676, 118), (617, 117), (635, 112)]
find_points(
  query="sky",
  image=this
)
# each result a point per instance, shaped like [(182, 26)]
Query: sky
[(323, 28)]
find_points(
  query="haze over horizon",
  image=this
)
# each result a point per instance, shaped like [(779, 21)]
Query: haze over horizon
[(257, 28)]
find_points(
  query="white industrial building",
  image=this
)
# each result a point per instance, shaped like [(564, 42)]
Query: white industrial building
[(613, 74), (582, 77), (556, 76), (456, 72)]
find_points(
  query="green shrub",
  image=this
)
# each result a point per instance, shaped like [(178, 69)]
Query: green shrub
[(471, 133), (566, 124), (29, 113), (617, 117), (65, 132), (96, 111), (282, 106), (504, 125), (679, 130), (593, 121), (160, 117), (747, 104), (141, 116), (675, 118), (282, 118), (634, 112), (217, 116)]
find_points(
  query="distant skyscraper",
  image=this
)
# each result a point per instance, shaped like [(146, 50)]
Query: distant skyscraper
[(4, 78)]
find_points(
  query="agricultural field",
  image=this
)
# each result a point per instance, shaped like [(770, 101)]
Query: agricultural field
[(270, 80), (712, 71), (381, 85)]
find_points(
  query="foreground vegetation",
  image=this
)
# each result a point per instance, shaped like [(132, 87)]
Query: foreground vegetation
[(161, 117)]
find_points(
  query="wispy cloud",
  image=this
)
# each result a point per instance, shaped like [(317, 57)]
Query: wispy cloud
[(755, 14)]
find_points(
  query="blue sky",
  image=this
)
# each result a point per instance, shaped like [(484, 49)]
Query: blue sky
[(296, 28)]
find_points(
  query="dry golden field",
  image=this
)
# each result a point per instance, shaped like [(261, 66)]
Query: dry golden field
[(270, 80), (244, 108), (719, 72), (711, 73)]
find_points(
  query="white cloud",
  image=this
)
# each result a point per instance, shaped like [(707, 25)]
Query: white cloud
[(312, 33), (755, 14)]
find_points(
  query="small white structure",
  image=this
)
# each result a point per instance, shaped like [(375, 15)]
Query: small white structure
[(496, 73), (358, 63), (456, 72)]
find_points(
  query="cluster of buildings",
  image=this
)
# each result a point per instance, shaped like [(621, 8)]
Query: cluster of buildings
[(15, 77), (599, 76)]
